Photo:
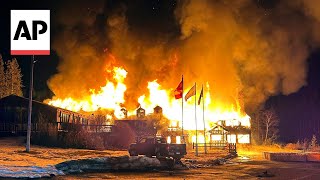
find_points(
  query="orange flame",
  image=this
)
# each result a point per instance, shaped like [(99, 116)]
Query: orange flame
[(111, 97)]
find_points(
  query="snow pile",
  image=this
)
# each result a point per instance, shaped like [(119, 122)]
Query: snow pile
[(28, 172), (109, 164)]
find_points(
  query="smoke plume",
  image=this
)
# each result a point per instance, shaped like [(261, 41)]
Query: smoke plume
[(246, 50)]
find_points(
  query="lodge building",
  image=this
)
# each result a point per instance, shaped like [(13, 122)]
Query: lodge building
[(14, 117), (53, 121)]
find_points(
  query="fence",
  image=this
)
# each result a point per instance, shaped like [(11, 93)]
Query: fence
[(232, 147), (88, 127), (61, 126), (15, 128)]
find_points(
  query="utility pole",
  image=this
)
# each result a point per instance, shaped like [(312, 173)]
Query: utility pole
[(30, 105)]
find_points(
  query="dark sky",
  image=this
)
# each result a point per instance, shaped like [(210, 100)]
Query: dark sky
[(299, 112), (45, 66), (143, 13)]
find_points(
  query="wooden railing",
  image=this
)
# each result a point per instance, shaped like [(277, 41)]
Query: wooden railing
[(16, 128), (232, 147), (21, 128), (88, 127)]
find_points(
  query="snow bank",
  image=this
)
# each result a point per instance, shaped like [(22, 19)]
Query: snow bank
[(109, 164), (103, 164), (28, 172)]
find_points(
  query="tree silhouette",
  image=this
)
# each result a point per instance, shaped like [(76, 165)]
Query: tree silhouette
[(13, 78), (270, 122), (2, 79)]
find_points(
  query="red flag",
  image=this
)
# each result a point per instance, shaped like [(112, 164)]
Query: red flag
[(178, 91), (190, 93)]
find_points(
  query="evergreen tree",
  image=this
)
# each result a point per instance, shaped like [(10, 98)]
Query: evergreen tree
[(13, 78), (2, 79), (313, 143), (7, 78)]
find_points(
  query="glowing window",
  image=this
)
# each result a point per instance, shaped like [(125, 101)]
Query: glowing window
[(216, 137), (178, 140), (231, 138), (169, 140), (243, 138)]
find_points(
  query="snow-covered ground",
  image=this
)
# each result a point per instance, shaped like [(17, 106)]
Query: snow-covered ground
[(12, 153), (28, 172), (15, 162)]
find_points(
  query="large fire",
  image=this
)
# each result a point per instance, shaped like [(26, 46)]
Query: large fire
[(111, 97)]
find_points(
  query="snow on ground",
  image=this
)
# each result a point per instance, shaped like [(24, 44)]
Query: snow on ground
[(15, 162), (28, 172), (12, 153)]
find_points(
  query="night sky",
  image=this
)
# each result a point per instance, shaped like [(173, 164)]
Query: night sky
[(299, 112)]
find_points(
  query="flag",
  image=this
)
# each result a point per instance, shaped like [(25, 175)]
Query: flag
[(201, 96), (190, 93), (178, 91)]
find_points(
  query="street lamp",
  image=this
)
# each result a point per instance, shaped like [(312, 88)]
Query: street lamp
[(30, 105)]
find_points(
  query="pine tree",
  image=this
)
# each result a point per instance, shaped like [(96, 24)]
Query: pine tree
[(13, 78), (8, 78), (2, 79), (313, 143)]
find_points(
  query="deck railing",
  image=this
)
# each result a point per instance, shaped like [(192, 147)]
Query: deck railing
[(232, 147)]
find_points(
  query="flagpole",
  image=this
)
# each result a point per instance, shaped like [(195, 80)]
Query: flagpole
[(195, 115), (182, 113), (204, 123)]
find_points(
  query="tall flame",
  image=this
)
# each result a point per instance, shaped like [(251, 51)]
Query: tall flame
[(172, 108), (111, 97)]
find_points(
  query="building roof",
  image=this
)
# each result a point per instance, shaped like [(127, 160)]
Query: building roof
[(232, 129), (14, 100), (217, 126)]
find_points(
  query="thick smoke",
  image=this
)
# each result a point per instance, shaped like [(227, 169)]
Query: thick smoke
[(244, 49), (81, 67)]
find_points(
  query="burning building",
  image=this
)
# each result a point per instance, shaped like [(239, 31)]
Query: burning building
[(220, 134), (158, 104), (240, 52)]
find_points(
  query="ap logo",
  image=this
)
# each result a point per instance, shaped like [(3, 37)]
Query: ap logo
[(30, 32)]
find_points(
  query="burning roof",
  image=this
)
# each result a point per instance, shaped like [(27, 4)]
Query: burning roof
[(113, 59)]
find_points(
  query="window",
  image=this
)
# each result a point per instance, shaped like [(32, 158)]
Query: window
[(231, 138), (244, 138), (64, 118)]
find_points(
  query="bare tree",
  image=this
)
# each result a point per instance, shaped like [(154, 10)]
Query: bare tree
[(2, 79), (269, 125)]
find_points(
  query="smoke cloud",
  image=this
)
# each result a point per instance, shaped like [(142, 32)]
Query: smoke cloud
[(246, 50)]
